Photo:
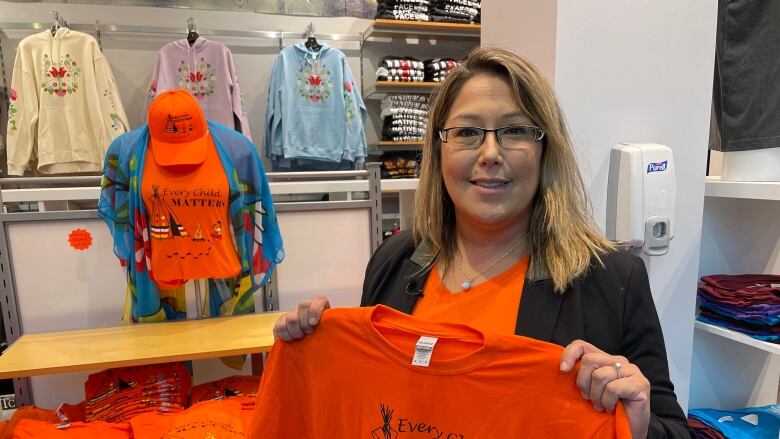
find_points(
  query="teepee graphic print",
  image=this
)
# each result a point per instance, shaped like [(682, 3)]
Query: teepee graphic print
[(165, 225)]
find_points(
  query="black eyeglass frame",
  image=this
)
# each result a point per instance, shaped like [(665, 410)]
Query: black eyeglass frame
[(444, 134)]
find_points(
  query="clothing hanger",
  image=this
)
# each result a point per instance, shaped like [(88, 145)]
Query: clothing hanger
[(192, 31), (58, 21), (311, 42)]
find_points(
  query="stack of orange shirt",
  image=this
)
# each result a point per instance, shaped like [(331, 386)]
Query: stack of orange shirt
[(355, 378), (116, 395), (30, 413), (29, 429), (236, 385), (211, 419)]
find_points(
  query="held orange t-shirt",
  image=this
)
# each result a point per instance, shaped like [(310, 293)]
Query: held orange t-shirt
[(189, 223), (353, 378), (490, 306)]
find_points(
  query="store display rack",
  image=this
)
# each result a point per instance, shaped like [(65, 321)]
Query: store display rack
[(732, 369), (383, 88), (392, 28), (99, 28)]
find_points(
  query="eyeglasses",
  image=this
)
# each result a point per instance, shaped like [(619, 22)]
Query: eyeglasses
[(509, 137)]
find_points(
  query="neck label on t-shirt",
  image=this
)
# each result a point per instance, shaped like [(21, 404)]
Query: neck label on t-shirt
[(423, 351)]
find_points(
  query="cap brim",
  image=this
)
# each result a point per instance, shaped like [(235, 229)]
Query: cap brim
[(177, 154)]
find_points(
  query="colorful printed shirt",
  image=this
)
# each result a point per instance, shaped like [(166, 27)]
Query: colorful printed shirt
[(253, 225), (206, 70), (314, 109), (64, 101)]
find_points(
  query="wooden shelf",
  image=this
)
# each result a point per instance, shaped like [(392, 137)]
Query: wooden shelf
[(134, 345), (715, 187), (399, 146), (383, 88), (423, 29), (738, 337)]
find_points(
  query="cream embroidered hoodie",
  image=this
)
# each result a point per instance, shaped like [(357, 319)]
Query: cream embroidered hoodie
[(65, 107)]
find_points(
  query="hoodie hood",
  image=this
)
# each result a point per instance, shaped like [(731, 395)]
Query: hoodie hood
[(185, 45), (309, 55)]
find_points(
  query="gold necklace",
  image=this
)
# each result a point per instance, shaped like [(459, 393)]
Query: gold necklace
[(470, 281)]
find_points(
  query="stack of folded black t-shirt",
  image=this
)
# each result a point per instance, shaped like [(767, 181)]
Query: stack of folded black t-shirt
[(437, 69), (456, 11), (400, 69), (416, 10), (405, 117)]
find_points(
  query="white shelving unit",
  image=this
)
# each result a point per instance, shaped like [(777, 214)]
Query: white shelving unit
[(740, 234), (421, 40)]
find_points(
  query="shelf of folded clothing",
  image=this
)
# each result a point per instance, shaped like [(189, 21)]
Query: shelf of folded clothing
[(399, 184), (758, 190), (135, 345), (385, 145), (383, 88), (423, 29), (739, 337)]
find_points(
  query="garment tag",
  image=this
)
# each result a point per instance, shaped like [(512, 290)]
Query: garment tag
[(774, 285), (751, 419), (423, 350)]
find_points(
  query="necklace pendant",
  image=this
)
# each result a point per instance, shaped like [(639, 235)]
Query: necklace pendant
[(466, 285)]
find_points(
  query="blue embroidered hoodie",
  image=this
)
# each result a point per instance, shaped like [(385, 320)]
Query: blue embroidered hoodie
[(314, 109)]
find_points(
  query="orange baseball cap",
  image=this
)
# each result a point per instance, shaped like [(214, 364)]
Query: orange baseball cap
[(178, 130)]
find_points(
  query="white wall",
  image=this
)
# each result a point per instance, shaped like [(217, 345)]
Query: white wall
[(638, 71)]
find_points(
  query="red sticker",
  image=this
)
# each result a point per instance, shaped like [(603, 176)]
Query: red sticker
[(80, 239)]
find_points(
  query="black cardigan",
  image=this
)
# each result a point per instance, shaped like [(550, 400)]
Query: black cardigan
[(610, 307)]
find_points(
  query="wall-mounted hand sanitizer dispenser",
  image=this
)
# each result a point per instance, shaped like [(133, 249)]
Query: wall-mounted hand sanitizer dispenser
[(640, 196)]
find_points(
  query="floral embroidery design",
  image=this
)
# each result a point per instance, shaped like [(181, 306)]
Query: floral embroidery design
[(314, 82), (153, 88), (116, 124), (348, 99), (199, 81), (60, 77), (12, 128)]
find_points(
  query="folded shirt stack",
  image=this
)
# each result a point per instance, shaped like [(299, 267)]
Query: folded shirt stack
[(414, 10), (404, 117), (748, 303), (438, 68), (400, 69), (399, 164), (455, 11), (751, 422), (117, 395)]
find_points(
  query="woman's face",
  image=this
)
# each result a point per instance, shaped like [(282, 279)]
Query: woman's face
[(490, 186)]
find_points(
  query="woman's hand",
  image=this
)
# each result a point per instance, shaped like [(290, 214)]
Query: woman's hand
[(297, 324), (603, 382)]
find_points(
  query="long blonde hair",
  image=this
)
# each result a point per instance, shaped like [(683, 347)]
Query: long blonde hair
[(563, 236)]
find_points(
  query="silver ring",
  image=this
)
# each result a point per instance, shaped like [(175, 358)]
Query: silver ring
[(617, 369)]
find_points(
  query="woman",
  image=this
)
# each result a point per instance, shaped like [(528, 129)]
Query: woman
[(503, 241)]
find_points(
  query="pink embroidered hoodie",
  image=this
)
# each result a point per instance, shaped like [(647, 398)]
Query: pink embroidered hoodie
[(206, 70)]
